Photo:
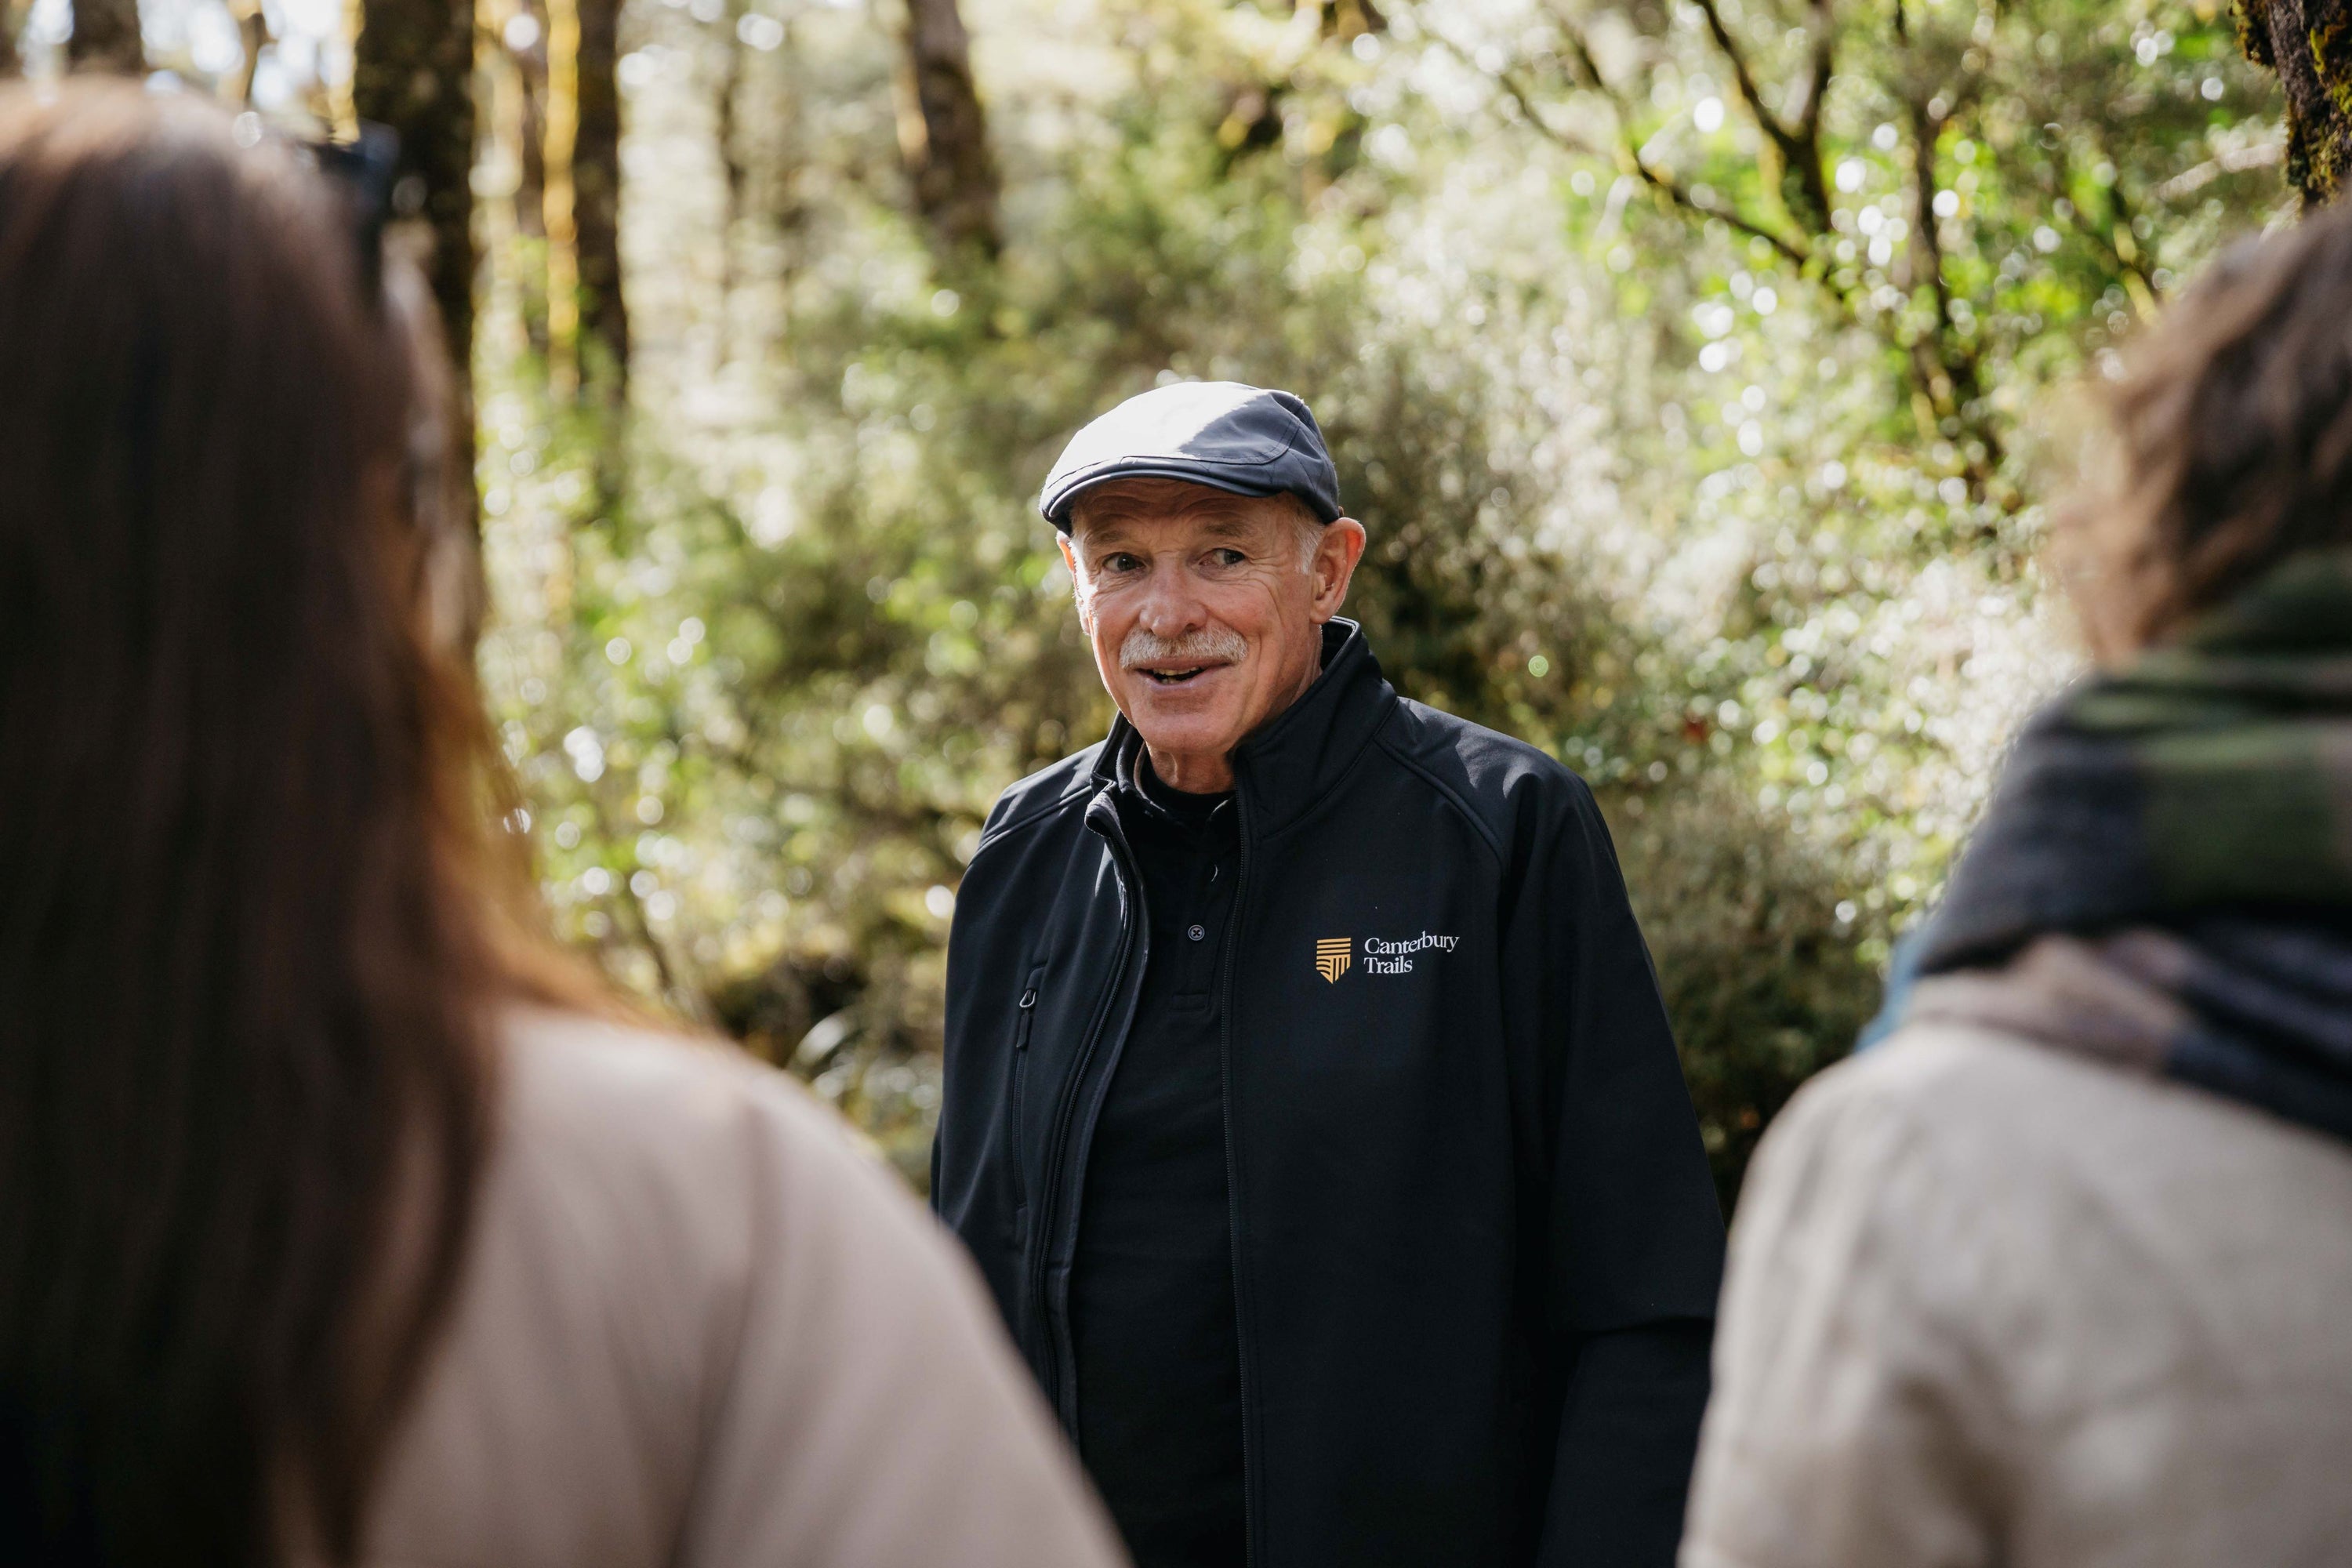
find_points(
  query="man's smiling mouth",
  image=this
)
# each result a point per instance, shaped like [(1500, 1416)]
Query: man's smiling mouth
[(1164, 675)]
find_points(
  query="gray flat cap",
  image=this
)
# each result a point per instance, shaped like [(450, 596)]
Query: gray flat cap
[(1245, 440)]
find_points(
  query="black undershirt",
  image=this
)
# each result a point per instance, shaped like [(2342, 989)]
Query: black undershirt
[(1159, 1359)]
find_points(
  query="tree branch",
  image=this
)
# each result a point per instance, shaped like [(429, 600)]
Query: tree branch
[(2124, 246), (1744, 79), (1816, 92), (1802, 188), (2114, 239), (1627, 156), (1942, 367), (1945, 375), (2190, 181)]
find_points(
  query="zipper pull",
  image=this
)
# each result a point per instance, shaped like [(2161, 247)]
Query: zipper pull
[(1027, 1014)]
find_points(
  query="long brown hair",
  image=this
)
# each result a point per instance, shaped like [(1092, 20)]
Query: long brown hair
[(2232, 443), (250, 927)]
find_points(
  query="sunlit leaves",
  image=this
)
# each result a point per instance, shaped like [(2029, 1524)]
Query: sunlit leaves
[(1688, 509)]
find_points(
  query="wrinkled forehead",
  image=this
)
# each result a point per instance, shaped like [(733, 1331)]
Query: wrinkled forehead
[(1170, 510)]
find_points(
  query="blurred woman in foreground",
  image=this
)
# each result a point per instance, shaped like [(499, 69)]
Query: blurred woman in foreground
[(331, 1229), (2061, 1274)]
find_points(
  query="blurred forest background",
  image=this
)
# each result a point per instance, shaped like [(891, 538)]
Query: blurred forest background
[(1703, 371)]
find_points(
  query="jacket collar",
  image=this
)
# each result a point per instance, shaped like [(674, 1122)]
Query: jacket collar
[(1291, 763)]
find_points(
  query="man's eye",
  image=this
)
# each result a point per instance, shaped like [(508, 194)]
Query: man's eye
[(1226, 557), (1120, 562)]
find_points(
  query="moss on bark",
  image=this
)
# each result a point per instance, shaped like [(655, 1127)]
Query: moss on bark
[(2309, 43)]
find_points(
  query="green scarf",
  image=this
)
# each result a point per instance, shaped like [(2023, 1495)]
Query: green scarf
[(2204, 791), (2212, 773)]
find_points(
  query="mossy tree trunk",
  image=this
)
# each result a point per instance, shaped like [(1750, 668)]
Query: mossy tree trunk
[(105, 37), (2309, 43)]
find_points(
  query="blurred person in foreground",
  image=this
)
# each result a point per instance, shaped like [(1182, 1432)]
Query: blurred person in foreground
[(1310, 1104), (2060, 1273), (332, 1226)]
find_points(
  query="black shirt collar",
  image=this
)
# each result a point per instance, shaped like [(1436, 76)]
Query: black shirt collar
[(1187, 810)]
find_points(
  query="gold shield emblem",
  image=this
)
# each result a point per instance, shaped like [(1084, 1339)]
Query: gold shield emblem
[(1332, 957)]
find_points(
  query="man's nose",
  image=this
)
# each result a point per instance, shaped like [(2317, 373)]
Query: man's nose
[(1171, 601)]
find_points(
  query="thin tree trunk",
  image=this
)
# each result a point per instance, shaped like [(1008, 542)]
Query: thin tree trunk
[(953, 173), (2309, 43), (559, 203), (413, 70), (105, 37), (530, 71), (596, 195), (530, 189), (730, 162), (510, 76), (11, 63)]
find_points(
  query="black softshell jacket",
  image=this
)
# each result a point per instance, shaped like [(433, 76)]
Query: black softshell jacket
[(1468, 1196)]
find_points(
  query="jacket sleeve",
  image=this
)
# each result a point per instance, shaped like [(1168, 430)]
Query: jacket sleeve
[(867, 1409), (1630, 1232)]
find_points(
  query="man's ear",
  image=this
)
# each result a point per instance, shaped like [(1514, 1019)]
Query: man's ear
[(1334, 566), (1078, 585)]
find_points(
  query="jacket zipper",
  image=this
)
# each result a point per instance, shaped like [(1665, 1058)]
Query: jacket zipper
[(1024, 1019), (1064, 1109), (1250, 1553)]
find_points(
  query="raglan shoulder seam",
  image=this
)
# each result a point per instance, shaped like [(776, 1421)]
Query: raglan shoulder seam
[(1445, 791), (1075, 792)]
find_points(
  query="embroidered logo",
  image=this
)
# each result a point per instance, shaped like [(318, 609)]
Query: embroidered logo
[(1384, 955), (1332, 957)]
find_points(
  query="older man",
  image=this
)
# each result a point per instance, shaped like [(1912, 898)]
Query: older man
[(1310, 1107)]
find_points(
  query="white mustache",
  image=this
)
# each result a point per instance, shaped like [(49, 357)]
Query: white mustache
[(1211, 645)]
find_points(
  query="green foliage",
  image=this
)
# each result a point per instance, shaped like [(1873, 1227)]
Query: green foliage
[(1762, 977), (1676, 496)]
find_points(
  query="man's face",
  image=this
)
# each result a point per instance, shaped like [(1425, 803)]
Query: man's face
[(1205, 611)]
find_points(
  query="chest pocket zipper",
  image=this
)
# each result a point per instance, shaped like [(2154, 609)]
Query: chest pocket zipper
[(1024, 1018)]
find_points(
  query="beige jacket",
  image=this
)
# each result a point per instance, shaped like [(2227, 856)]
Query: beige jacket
[(698, 1328), (1992, 1303)]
